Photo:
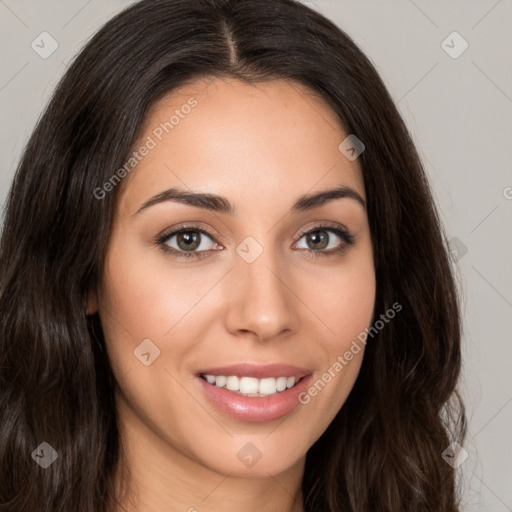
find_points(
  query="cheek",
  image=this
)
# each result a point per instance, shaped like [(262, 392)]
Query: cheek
[(144, 294), (346, 298), (345, 304), (348, 306), (129, 304), (142, 298)]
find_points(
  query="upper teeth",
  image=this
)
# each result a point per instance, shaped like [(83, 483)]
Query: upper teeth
[(251, 386)]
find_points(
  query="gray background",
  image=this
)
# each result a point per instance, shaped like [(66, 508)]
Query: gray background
[(459, 113)]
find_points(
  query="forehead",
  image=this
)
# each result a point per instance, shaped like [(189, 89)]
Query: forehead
[(270, 139)]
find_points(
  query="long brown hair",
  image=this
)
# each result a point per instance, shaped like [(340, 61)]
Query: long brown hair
[(382, 452)]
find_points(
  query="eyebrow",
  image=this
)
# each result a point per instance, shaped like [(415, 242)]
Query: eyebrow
[(220, 204)]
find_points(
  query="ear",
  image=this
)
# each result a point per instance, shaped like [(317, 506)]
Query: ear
[(92, 302)]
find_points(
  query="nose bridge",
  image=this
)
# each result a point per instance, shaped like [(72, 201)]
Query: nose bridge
[(262, 300)]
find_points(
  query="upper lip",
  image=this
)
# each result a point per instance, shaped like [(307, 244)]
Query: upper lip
[(258, 371)]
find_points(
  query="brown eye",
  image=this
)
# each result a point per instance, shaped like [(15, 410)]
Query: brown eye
[(320, 241), (317, 239), (187, 242), (323, 239)]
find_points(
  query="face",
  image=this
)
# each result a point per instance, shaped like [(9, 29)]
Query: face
[(249, 290)]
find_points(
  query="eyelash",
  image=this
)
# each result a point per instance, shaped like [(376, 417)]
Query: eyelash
[(339, 230)]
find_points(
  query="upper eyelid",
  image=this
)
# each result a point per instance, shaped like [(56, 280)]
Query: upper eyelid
[(327, 226), (175, 231)]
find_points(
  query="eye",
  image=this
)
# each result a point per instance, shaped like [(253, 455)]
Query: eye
[(188, 242), (321, 240), (192, 242)]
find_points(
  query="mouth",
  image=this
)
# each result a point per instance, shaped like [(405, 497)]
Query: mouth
[(254, 393), (251, 386)]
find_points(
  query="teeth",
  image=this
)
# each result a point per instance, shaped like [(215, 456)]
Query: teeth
[(220, 381), (250, 386), (281, 383), (233, 383), (210, 379), (290, 382), (268, 386)]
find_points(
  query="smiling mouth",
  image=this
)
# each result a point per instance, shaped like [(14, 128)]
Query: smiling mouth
[(251, 386)]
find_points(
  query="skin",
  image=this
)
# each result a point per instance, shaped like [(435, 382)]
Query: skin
[(261, 147)]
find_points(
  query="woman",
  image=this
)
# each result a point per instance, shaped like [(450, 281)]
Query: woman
[(169, 341)]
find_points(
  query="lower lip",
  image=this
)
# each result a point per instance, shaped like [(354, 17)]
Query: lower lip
[(255, 409)]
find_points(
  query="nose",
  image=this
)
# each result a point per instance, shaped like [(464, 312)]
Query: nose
[(261, 301)]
